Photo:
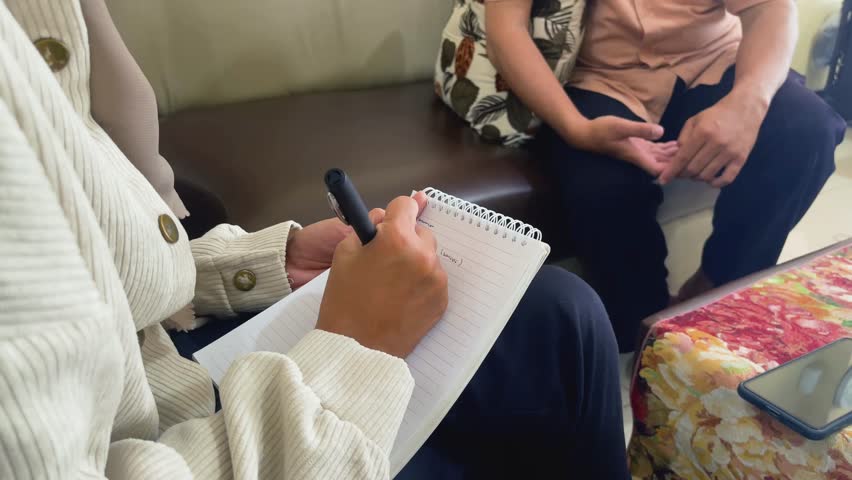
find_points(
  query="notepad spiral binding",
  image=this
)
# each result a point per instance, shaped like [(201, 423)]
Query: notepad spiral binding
[(492, 221)]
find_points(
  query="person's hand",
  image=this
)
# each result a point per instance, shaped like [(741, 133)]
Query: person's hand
[(633, 142), (719, 139), (388, 294), (311, 249)]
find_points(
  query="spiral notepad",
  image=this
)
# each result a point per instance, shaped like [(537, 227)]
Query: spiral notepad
[(490, 260)]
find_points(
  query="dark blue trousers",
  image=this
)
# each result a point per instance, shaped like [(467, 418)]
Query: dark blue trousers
[(545, 403), (611, 205)]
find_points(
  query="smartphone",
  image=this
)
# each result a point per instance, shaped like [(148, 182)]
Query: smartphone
[(812, 394)]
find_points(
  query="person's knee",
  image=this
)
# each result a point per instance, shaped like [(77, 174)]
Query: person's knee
[(809, 130), (578, 308), (819, 127), (801, 116), (556, 285)]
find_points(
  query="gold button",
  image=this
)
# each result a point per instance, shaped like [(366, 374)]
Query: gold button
[(54, 53), (245, 280), (168, 228)]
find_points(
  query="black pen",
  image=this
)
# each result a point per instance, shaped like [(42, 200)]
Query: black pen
[(348, 205)]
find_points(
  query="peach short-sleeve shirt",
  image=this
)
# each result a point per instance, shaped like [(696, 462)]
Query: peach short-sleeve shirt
[(635, 50)]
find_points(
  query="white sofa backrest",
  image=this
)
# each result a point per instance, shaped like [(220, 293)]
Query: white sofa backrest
[(202, 52), (206, 52)]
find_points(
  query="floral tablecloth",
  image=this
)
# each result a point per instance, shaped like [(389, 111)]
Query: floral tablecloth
[(689, 421)]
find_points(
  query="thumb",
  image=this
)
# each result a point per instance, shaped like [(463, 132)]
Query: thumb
[(622, 128)]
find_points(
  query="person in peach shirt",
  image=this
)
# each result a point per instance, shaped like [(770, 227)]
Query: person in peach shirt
[(667, 89)]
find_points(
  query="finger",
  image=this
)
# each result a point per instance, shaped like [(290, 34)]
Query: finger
[(669, 148), (711, 171), (377, 215), (427, 237), (689, 146), (626, 128), (402, 212), (422, 200), (665, 155), (649, 163), (728, 176), (701, 159)]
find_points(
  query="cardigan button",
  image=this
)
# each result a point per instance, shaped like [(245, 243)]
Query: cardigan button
[(245, 280), (168, 228), (54, 53)]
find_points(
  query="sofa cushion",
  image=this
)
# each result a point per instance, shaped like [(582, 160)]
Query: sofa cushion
[(209, 52), (265, 159), (684, 198)]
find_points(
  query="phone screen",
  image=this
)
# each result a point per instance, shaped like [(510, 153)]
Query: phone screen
[(816, 388)]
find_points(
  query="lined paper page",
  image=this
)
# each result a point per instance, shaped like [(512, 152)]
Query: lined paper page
[(487, 275)]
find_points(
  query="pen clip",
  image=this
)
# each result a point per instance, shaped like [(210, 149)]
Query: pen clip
[(335, 207)]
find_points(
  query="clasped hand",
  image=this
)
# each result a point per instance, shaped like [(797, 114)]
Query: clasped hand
[(713, 146)]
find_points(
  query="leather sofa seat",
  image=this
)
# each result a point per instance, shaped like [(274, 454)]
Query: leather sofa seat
[(264, 160)]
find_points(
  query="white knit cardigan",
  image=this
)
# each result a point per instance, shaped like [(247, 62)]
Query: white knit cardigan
[(90, 384)]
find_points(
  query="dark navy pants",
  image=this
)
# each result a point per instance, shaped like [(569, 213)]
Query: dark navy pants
[(545, 403), (611, 205)]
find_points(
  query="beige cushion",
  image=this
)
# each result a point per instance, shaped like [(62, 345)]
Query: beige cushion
[(203, 52), (685, 197)]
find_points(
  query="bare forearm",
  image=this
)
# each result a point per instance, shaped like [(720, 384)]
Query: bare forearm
[(770, 32), (522, 66)]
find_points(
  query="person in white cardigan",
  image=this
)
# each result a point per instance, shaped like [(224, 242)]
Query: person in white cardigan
[(93, 260)]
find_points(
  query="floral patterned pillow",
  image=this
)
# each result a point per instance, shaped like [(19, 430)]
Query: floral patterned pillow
[(468, 83)]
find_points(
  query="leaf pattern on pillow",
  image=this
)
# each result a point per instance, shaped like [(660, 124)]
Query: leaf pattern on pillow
[(491, 134), (519, 115), (448, 53), (488, 109), (463, 95)]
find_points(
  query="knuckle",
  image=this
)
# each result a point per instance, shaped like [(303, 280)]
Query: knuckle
[(423, 261), (441, 282), (401, 200), (428, 237), (393, 237), (445, 301), (344, 247), (440, 278)]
